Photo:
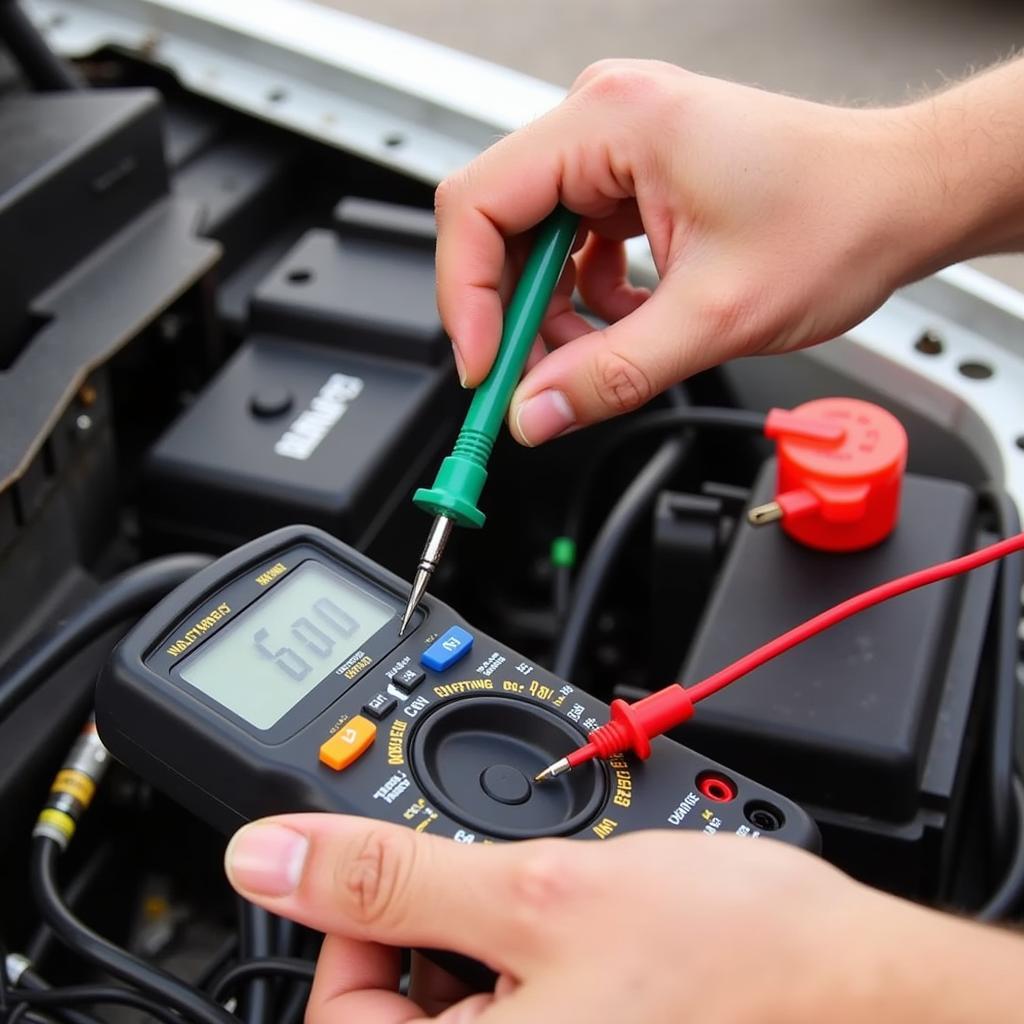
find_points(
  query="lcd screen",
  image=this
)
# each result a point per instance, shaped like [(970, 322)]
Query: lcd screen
[(264, 663)]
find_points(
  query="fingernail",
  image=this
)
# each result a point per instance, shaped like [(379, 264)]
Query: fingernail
[(544, 416), (266, 860), (459, 365)]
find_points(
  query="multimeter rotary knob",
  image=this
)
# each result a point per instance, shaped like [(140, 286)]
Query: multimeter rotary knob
[(476, 757)]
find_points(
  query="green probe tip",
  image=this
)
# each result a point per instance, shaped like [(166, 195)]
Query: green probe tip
[(563, 552), (462, 475)]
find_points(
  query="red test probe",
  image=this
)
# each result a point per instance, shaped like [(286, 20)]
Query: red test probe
[(633, 726)]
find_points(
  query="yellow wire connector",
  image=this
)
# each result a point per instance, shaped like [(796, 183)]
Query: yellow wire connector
[(73, 787)]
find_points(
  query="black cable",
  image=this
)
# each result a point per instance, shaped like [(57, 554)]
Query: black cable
[(290, 967), (87, 995), (284, 943), (1007, 898), (124, 597), (30, 980), (42, 67), (682, 416), (43, 938), (294, 1009), (1004, 698), (285, 934), (19, 1013), (165, 988), (617, 527), (217, 962), (254, 943)]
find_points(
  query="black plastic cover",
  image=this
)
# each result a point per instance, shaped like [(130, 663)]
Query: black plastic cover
[(291, 431), (847, 720), (75, 167), (366, 286)]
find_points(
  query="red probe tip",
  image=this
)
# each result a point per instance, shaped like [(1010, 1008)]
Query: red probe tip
[(631, 729), (566, 764)]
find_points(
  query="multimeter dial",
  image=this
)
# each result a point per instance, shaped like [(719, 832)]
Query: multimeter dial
[(476, 759), (275, 681)]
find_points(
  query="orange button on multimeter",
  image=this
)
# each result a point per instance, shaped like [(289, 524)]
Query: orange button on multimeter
[(348, 743)]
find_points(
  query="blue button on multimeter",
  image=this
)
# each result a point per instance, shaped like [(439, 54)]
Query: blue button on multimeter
[(447, 649)]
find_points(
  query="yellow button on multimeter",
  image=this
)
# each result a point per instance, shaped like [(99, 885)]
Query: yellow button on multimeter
[(348, 743)]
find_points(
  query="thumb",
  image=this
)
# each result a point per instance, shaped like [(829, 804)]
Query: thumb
[(384, 883), (615, 370)]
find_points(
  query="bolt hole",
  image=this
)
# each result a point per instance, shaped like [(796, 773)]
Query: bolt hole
[(277, 95), (57, 20), (1020, 442), (764, 816), (301, 275), (976, 370), (929, 344), (394, 139)]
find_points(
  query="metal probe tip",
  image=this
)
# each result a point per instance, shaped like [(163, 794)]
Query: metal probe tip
[(764, 514), (552, 771), (419, 586), (432, 551)]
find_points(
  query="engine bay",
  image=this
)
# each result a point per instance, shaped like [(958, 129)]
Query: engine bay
[(212, 328)]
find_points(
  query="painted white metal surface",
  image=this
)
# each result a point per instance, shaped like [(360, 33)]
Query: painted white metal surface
[(418, 107)]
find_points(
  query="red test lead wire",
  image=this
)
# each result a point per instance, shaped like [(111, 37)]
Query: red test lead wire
[(633, 726)]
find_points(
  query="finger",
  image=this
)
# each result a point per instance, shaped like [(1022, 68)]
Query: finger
[(611, 371), (601, 274), (384, 883), (505, 986), (603, 280), (526, 1005), (469, 1010), (358, 981), (622, 223), (507, 191), (592, 71), (433, 988), (537, 353), (561, 321)]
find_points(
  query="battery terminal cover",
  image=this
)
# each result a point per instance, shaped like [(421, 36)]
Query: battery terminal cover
[(840, 471)]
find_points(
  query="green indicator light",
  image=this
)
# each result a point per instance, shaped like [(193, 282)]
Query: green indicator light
[(563, 552)]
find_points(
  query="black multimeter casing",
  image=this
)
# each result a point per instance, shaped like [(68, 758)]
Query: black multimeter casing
[(454, 756)]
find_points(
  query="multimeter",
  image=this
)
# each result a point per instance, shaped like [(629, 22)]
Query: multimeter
[(275, 680)]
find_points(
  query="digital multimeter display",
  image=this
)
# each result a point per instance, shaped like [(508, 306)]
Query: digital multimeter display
[(260, 666)]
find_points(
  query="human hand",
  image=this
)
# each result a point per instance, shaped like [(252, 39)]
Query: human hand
[(774, 223), (654, 927)]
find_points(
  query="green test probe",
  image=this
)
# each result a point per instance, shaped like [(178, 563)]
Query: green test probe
[(453, 498)]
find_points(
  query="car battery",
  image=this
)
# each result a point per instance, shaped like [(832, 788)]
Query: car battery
[(872, 724)]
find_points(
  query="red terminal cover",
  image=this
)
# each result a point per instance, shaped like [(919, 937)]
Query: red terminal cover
[(840, 470)]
